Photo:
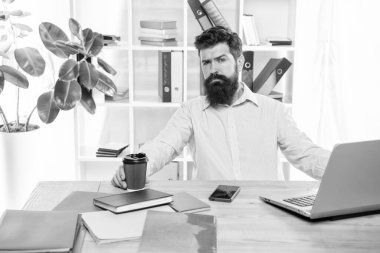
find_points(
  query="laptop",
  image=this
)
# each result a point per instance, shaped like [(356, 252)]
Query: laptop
[(350, 184)]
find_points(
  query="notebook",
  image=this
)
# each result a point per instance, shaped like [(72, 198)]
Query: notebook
[(186, 203), (178, 232), (349, 185), (130, 201), (38, 231), (80, 201), (107, 227)]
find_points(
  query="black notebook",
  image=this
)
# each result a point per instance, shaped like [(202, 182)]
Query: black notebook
[(130, 201), (38, 231), (186, 203)]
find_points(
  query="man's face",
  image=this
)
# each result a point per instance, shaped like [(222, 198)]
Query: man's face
[(220, 72)]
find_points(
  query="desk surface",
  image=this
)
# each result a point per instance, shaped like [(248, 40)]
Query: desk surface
[(246, 225)]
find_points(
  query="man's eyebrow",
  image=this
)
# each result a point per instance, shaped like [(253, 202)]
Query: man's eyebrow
[(216, 58)]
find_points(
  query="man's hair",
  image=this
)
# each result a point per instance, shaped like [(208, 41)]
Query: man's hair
[(219, 34)]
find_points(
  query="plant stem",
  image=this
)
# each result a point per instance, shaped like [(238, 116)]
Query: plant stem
[(4, 120), (27, 121)]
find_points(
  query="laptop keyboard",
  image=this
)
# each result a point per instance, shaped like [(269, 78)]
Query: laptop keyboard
[(302, 201)]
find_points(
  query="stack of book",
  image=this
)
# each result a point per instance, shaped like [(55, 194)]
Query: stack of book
[(110, 40), (111, 149), (279, 41), (158, 32)]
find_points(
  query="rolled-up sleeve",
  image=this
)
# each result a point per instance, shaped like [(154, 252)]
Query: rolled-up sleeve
[(170, 141), (297, 147)]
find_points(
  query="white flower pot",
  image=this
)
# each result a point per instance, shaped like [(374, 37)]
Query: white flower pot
[(21, 166)]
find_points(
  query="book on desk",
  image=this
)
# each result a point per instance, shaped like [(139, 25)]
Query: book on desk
[(135, 200)]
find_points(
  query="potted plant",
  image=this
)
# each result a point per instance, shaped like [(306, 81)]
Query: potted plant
[(19, 141)]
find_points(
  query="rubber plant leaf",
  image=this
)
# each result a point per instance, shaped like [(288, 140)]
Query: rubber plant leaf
[(14, 76), (67, 94), (67, 48), (69, 70), (93, 41), (106, 66), (87, 101), (105, 85), (88, 75), (97, 44), (87, 38), (30, 60), (47, 109), (75, 29), (23, 27), (50, 33)]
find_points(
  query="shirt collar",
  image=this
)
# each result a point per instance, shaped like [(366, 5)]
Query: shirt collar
[(247, 95)]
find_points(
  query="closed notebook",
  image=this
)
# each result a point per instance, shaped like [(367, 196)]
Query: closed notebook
[(186, 203), (178, 232), (38, 231), (107, 227), (80, 201), (113, 147), (130, 201)]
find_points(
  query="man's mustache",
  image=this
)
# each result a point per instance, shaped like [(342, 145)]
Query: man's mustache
[(215, 78)]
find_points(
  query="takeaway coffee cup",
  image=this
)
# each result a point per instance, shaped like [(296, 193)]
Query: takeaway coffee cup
[(135, 170)]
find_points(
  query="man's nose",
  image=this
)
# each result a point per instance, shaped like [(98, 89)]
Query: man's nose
[(214, 69)]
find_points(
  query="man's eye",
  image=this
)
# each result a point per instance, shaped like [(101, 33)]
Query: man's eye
[(221, 60), (205, 63)]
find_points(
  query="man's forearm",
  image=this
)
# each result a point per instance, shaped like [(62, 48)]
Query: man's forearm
[(159, 154)]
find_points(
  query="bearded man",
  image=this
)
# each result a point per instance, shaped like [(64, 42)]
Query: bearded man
[(232, 133)]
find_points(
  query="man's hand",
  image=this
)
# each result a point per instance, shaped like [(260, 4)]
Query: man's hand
[(118, 179)]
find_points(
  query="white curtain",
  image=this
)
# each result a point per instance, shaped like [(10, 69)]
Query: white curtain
[(337, 70)]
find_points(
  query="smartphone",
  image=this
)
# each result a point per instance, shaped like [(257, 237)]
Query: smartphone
[(225, 193)]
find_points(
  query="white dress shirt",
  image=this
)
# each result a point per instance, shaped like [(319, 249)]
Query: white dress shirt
[(237, 142)]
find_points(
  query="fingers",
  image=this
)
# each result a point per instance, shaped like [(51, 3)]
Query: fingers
[(118, 179), (121, 172)]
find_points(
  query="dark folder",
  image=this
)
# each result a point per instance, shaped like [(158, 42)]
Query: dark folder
[(247, 73), (200, 14), (39, 231), (270, 75), (80, 201)]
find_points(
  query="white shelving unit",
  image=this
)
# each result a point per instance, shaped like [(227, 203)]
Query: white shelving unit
[(143, 115)]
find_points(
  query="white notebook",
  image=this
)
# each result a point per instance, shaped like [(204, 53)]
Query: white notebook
[(107, 227)]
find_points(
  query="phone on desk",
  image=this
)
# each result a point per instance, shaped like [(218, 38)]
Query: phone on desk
[(225, 193)]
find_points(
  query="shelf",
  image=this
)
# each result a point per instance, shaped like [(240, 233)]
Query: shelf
[(268, 48), (256, 48), (155, 104), (155, 48), (142, 115), (123, 45)]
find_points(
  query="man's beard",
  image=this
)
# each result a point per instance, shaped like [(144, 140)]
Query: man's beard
[(220, 89)]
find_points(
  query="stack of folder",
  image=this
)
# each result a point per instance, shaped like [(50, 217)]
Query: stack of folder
[(111, 150)]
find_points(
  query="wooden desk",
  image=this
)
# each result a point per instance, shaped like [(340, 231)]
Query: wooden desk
[(246, 225)]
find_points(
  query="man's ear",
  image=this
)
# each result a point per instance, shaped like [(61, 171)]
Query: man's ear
[(240, 62)]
